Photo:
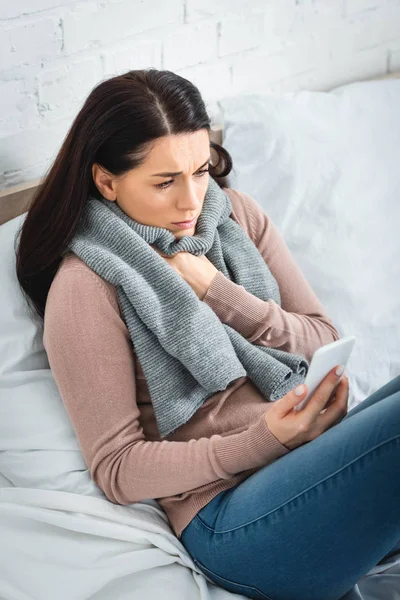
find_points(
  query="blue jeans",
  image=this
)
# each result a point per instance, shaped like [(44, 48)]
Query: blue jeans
[(311, 524)]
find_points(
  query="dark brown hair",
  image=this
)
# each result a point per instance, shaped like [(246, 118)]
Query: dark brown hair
[(114, 128)]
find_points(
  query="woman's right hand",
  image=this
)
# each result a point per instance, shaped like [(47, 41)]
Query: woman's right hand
[(294, 428)]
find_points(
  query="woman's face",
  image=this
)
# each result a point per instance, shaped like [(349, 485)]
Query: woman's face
[(162, 200)]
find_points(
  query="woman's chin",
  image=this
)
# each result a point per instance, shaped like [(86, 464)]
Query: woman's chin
[(179, 234)]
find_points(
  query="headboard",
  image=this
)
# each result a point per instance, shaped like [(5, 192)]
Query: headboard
[(15, 200)]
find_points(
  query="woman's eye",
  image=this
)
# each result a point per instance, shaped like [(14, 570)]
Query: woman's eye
[(166, 183), (163, 185)]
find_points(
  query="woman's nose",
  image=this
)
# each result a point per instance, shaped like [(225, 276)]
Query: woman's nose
[(189, 200)]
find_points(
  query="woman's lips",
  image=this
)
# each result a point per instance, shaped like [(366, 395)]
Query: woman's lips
[(186, 224)]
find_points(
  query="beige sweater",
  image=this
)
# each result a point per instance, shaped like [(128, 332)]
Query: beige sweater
[(106, 396)]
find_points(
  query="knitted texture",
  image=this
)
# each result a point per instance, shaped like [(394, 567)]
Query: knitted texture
[(186, 352)]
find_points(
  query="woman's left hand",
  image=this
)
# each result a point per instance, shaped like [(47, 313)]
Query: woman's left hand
[(197, 271)]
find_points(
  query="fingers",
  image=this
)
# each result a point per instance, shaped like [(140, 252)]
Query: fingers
[(319, 398), (338, 409), (288, 401)]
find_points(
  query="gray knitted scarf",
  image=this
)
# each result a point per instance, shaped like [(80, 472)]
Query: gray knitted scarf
[(186, 352)]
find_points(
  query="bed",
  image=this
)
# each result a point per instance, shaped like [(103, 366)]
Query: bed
[(324, 165)]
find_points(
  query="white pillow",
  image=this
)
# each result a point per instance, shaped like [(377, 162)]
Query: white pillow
[(325, 167), (38, 446)]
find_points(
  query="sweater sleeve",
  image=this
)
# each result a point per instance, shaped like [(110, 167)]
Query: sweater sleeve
[(90, 355), (300, 325)]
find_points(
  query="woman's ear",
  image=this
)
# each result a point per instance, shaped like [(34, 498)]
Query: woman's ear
[(104, 181)]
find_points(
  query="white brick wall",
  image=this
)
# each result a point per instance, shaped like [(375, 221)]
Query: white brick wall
[(52, 53)]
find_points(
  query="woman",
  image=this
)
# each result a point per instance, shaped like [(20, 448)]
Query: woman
[(269, 502)]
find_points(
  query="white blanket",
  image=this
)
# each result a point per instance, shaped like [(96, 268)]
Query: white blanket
[(72, 547)]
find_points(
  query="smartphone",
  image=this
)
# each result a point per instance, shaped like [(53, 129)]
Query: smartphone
[(323, 361)]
